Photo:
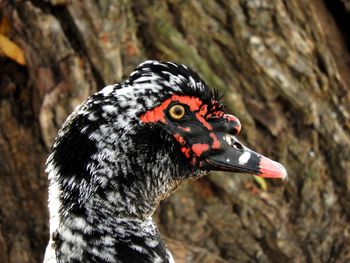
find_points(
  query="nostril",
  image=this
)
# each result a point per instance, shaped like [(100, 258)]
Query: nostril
[(237, 145)]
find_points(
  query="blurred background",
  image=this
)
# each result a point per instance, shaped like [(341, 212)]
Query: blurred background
[(284, 69)]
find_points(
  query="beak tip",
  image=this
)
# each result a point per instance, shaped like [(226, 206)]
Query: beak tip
[(272, 169), (284, 173)]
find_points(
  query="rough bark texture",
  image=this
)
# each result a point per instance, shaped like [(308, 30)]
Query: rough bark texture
[(284, 69)]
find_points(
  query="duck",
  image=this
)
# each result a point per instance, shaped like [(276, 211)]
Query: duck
[(126, 148)]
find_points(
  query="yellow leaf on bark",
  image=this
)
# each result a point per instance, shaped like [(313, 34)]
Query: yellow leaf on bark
[(11, 50), (261, 182)]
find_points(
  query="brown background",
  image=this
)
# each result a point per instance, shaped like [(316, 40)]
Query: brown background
[(284, 68)]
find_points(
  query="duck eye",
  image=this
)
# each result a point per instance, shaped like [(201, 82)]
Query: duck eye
[(177, 112)]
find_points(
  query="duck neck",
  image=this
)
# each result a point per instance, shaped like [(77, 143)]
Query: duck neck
[(114, 211), (114, 183), (116, 239)]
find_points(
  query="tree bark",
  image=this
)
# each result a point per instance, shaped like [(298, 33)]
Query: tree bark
[(284, 69)]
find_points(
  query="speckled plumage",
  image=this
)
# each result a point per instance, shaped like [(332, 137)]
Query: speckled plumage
[(108, 171), (125, 149)]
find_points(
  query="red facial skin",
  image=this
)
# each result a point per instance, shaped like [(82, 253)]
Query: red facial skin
[(203, 121), (194, 153), (158, 114), (216, 144), (179, 138), (186, 151), (199, 148)]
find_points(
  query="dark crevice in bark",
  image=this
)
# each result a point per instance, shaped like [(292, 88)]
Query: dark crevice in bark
[(337, 175), (228, 26), (335, 251), (225, 24), (13, 88), (274, 255), (321, 64), (176, 15), (341, 17), (72, 34), (142, 31), (245, 11)]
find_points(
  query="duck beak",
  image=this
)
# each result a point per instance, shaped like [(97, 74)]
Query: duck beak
[(235, 157)]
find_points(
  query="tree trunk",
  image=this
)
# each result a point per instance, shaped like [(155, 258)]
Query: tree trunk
[(284, 68)]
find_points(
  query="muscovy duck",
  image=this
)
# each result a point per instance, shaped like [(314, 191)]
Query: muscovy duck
[(125, 149)]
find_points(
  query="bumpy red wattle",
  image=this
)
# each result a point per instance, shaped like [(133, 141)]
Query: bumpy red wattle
[(235, 120), (203, 121), (199, 148), (216, 143)]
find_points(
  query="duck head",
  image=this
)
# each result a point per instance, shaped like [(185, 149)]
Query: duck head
[(205, 133), (131, 144), (207, 136)]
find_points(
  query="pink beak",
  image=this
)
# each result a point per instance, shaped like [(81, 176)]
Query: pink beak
[(272, 169)]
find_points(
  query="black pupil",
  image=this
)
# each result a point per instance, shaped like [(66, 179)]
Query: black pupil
[(178, 111)]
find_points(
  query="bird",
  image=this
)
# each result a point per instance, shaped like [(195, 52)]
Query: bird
[(126, 148)]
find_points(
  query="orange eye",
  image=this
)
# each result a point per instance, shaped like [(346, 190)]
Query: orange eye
[(177, 112)]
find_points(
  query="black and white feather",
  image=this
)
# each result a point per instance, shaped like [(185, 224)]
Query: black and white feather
[(108, 171)]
